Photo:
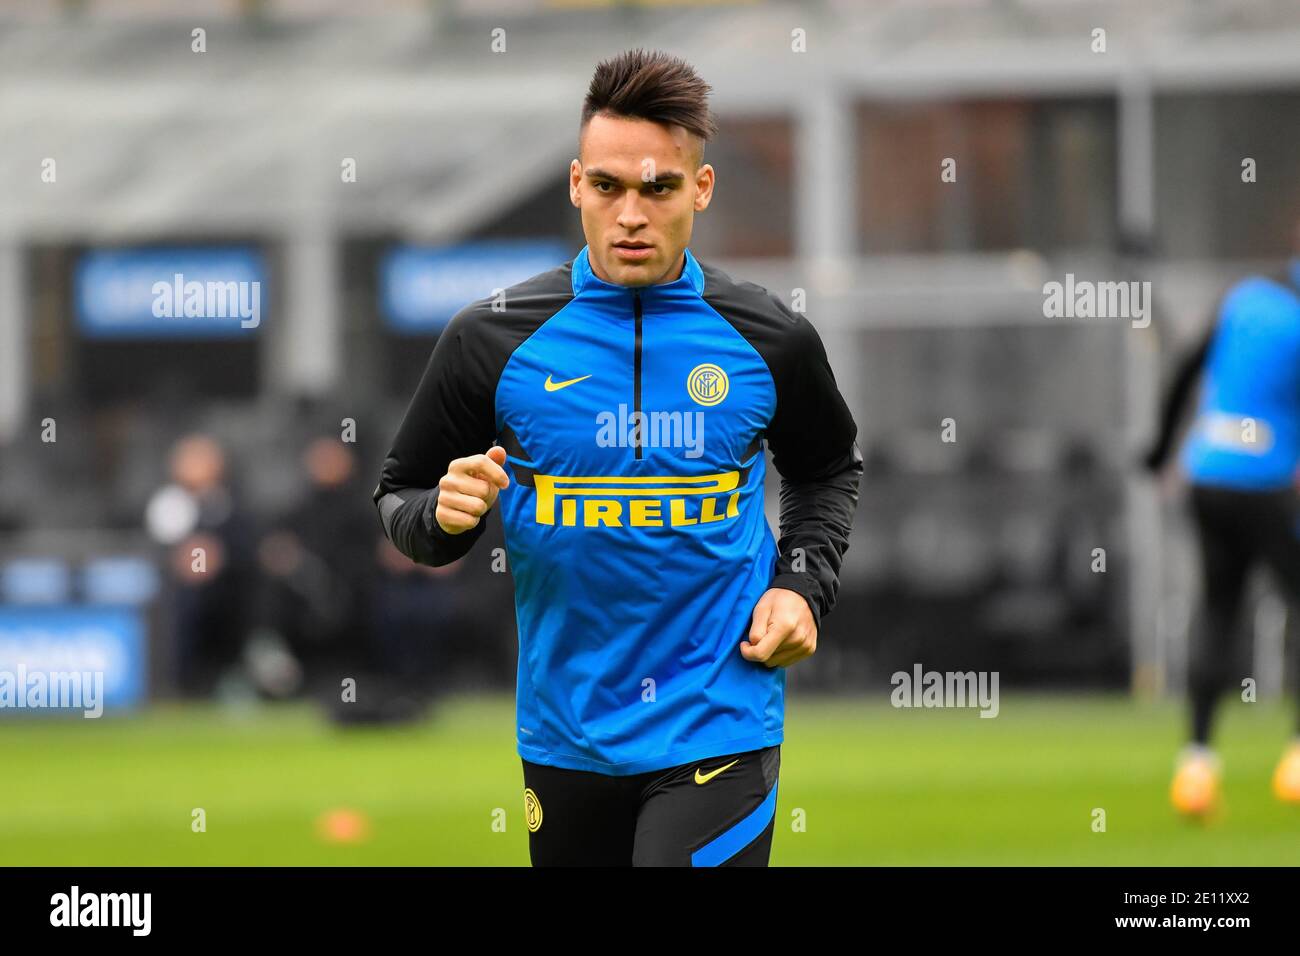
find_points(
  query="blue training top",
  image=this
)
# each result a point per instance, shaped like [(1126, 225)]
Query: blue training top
[(634, 420), (1247, 431)]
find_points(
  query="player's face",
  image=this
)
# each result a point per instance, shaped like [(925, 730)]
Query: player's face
[(638, 186)]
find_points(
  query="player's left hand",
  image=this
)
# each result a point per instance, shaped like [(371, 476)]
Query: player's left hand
[(783, 631)]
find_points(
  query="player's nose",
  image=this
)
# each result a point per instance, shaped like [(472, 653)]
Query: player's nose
[(631, 213)]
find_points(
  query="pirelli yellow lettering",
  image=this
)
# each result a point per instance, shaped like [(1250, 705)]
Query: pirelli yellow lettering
[(640, 502)]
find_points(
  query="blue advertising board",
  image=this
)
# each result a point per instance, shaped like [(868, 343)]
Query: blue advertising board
[(163, 292), (422, 287), (82, 658)]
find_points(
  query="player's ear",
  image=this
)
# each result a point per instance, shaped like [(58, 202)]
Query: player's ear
[(704, 179), (575, 180)]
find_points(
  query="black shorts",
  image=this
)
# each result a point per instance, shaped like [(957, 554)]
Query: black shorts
[(719, 811)]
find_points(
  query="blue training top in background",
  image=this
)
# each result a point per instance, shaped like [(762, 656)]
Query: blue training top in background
[(1247, 430)]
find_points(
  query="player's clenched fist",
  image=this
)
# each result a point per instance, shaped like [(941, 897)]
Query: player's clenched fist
[(469, 488), (783, 630)]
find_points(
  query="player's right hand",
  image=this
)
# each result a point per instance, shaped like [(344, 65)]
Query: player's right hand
[(469, 488)]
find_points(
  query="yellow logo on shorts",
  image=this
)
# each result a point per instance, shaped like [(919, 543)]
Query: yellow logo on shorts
[(706, 777), (532, 810), (707, 384)]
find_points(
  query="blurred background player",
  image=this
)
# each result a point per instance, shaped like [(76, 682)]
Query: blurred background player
[(209, 561), (1241, 456), (317, 567)]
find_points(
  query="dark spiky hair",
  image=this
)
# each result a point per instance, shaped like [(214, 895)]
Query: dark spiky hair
[(651, 85)]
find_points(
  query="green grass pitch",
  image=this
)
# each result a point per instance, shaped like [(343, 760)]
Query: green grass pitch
[(871, 785)]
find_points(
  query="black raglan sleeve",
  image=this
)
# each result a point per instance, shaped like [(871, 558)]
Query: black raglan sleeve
[(1175, 401), (452, 415), (814, 445)]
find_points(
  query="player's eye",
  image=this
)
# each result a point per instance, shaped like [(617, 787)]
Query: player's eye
[(600, 186), (666, 189)]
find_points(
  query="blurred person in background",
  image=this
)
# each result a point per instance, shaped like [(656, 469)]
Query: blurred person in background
[(418, 616), (1241, 456), (208, 565), (318, 569)]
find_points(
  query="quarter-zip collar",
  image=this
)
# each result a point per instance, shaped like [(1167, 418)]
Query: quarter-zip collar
[(690, 284)]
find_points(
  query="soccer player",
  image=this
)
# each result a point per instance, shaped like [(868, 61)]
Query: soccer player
[(1241, 457), (616, 410)]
